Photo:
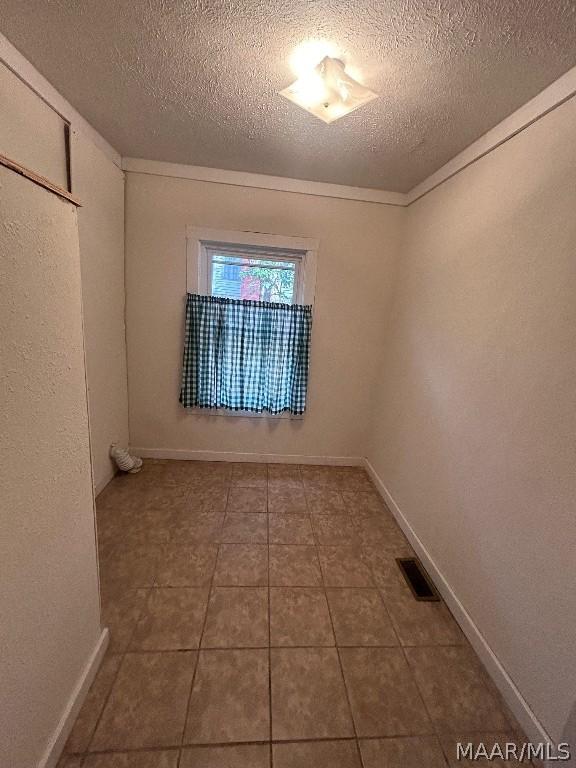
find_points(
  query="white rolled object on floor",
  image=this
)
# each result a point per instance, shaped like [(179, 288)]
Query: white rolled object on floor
[(125, 461)]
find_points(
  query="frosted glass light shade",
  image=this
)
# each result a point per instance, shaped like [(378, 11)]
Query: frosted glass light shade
[(328, 92)]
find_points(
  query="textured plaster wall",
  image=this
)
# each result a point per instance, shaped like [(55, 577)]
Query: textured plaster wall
[(48, 586), (358, 242), (475, 423), (99, 185)]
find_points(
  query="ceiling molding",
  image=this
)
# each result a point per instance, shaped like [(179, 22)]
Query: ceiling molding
[(21, 67), (553, 96), (261, 181)]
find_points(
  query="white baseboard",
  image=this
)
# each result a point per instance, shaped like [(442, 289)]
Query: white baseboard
[(512, 696), (268, 458), (58, 740)]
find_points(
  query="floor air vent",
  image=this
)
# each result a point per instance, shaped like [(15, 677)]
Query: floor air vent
[(417, 579)]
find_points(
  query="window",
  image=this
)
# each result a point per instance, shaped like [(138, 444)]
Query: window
[(240, 357), (251, 265), (249, 273)]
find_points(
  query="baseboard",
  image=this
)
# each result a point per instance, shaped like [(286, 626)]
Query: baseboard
[(518, 705), (58, 740), (267, 458)]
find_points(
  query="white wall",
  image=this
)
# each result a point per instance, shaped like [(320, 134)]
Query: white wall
[(475, 423), (358, 243), (48, 585), (99, 185)]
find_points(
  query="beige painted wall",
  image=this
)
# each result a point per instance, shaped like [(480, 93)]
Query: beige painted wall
[(475, 425), (99, 185), (358, 242), (48, 586), (31, 132)]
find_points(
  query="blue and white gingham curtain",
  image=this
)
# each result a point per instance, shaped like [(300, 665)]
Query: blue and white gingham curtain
[(245, 355)]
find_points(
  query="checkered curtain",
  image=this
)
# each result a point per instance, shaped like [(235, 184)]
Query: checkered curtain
[(245, 355)]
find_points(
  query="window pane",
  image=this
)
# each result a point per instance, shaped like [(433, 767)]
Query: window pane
[(240, 277)]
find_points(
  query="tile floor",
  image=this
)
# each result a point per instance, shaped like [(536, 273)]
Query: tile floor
[(258, 619)]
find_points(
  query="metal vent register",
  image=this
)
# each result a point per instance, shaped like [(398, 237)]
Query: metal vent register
[(417, 579)]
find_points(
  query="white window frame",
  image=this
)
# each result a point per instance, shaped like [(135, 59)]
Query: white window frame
[(304, 250), (198, 279)]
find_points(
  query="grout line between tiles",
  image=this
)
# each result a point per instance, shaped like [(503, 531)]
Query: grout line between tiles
[(347, 693), (270, 750), (145, 750), (187, 712), (320, 739), (190, 649), (120, 665)]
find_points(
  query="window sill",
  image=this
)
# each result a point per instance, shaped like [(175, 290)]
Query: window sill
[(243, 414)]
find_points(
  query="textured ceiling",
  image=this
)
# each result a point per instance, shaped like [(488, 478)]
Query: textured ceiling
[(196, 81)]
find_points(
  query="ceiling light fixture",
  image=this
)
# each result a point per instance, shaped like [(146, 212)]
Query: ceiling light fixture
[(328, 92)]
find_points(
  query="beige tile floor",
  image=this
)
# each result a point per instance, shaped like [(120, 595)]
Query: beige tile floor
[(258, 619)]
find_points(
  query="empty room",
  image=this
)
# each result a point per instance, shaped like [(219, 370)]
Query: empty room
[(287, 383)]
